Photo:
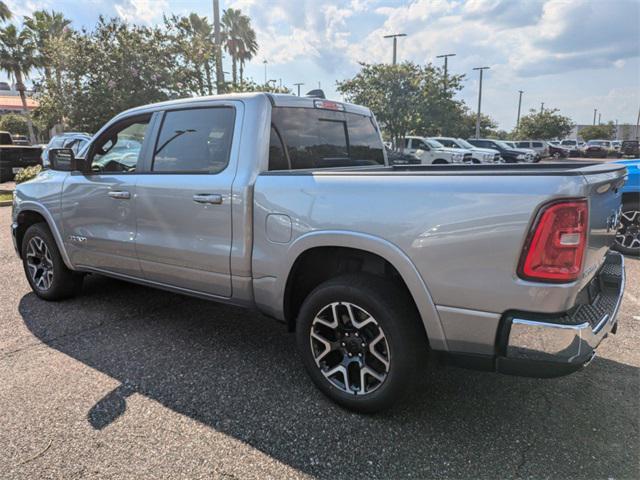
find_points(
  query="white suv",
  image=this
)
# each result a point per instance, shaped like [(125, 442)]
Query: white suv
[(541, 148), (478, 155), (433, 152)]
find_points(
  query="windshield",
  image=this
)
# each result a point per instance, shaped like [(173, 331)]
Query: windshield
[(464, 143), (433, 143), (502, 144), (601, 143)]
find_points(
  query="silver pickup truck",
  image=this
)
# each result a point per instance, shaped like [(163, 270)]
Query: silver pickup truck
[(287, 205)]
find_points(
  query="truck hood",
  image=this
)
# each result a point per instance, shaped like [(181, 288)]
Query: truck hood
[(453, 150), (486, 150)]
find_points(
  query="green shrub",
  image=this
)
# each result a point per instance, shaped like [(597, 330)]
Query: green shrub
[(28, 173)]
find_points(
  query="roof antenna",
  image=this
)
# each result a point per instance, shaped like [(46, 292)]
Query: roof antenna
[(317, 93)]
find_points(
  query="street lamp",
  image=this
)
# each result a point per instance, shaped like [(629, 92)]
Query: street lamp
[(395, 43), (445, 56), (595, 110), (519, 105), (541, 107), (298, 85), (481, 69), (265, 70)]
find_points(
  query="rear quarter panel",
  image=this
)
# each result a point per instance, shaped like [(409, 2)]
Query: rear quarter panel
[(463, 234)]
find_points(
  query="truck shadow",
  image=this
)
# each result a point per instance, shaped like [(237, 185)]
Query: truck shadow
[(238, 372)]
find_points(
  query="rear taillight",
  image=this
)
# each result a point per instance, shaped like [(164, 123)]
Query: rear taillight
[(557, 242)]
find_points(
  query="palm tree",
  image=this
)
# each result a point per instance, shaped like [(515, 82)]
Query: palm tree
[(45, 28), (5, 13), (239, 40), (17, 59)]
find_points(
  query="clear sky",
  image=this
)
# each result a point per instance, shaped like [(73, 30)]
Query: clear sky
[(575, 55)]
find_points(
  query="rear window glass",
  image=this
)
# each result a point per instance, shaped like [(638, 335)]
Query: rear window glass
[(317, 138)]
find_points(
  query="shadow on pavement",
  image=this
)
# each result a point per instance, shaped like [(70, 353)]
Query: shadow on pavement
[(238, 372)]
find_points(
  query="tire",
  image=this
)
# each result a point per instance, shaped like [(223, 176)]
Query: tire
[(439, 161), (49, 277), (628, 234), (378, 307)]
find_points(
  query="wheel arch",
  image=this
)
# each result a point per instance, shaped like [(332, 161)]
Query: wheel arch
[(339, 252), (31, 214)]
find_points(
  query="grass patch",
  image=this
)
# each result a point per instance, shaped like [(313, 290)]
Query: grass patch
[(6, 197)]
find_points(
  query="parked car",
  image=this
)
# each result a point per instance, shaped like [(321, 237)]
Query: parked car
[(478, 155), (15, 157), (616, 144), (628, 235), (630, 148), (20, 140), (73, 140), (598, 149), (396, 157), (507, 153), (506, 268), (540, 147), (554, 142), (432, 152), (558, 151)]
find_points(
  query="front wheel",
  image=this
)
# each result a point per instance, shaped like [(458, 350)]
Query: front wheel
[(49, 277), (361, 341)]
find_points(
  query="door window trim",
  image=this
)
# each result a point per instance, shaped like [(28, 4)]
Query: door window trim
[(148, 164)]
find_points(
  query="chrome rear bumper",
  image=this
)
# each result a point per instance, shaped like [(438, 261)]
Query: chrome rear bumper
[(554, 346)]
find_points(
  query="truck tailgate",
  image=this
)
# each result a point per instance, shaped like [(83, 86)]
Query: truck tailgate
[(604, 184)]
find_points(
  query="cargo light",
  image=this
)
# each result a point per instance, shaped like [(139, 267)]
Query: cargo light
[(555, 248), (328, 105)]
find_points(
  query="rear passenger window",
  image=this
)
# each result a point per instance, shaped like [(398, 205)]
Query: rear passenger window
[(316, 138), (196, 140), (537, 144), (522, 144)]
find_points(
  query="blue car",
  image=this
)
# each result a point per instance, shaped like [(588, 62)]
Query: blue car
[(628, 237)]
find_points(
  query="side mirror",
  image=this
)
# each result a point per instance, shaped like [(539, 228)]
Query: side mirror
[(64, 160)]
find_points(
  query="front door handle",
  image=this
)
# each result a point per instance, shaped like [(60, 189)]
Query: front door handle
[(120, 195), (211, 198)]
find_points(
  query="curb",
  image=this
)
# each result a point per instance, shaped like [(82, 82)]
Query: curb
[(6, 203)]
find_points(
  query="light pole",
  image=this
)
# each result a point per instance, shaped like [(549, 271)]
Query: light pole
[(220, 86), (519, 105), (265, 70), (595, 110), (599, 118), (541, 107), (298, 85), (395, 44), (446, 57), (481, 69)]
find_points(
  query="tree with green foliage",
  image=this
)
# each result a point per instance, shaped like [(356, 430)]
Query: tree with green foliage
[(46, 29), (239, 40), (545, 125), (14, 123), (604, 131), (251, 86), (17, 59), (5, 13), (408, 99)]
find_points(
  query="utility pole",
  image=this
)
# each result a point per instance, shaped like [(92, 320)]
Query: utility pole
[(595, 110), (265, 70), (616, 129), (541, 107), (519, 105), (481, 69), (599, 118), (216, 33), (395, 44), (298, 85), (446, 57), (638, 126)]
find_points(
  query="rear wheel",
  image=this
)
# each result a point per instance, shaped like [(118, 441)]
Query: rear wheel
[(440, 161), (360, 339), (628, 234), (46, 272)]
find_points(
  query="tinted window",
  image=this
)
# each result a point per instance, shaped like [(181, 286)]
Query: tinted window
[(317, 138), (537, 144), (277, 158), (197, 140), (447, 143), (522, 144), (119, 148), (418, 144)]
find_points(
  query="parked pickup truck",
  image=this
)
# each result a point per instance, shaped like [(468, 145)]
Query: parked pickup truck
[(286, 204), (15, 157)]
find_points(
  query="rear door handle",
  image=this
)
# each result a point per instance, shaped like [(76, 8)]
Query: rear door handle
[(211, 198), (120, 195)]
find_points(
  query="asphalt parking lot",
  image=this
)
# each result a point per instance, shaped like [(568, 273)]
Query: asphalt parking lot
[(129, 382)]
